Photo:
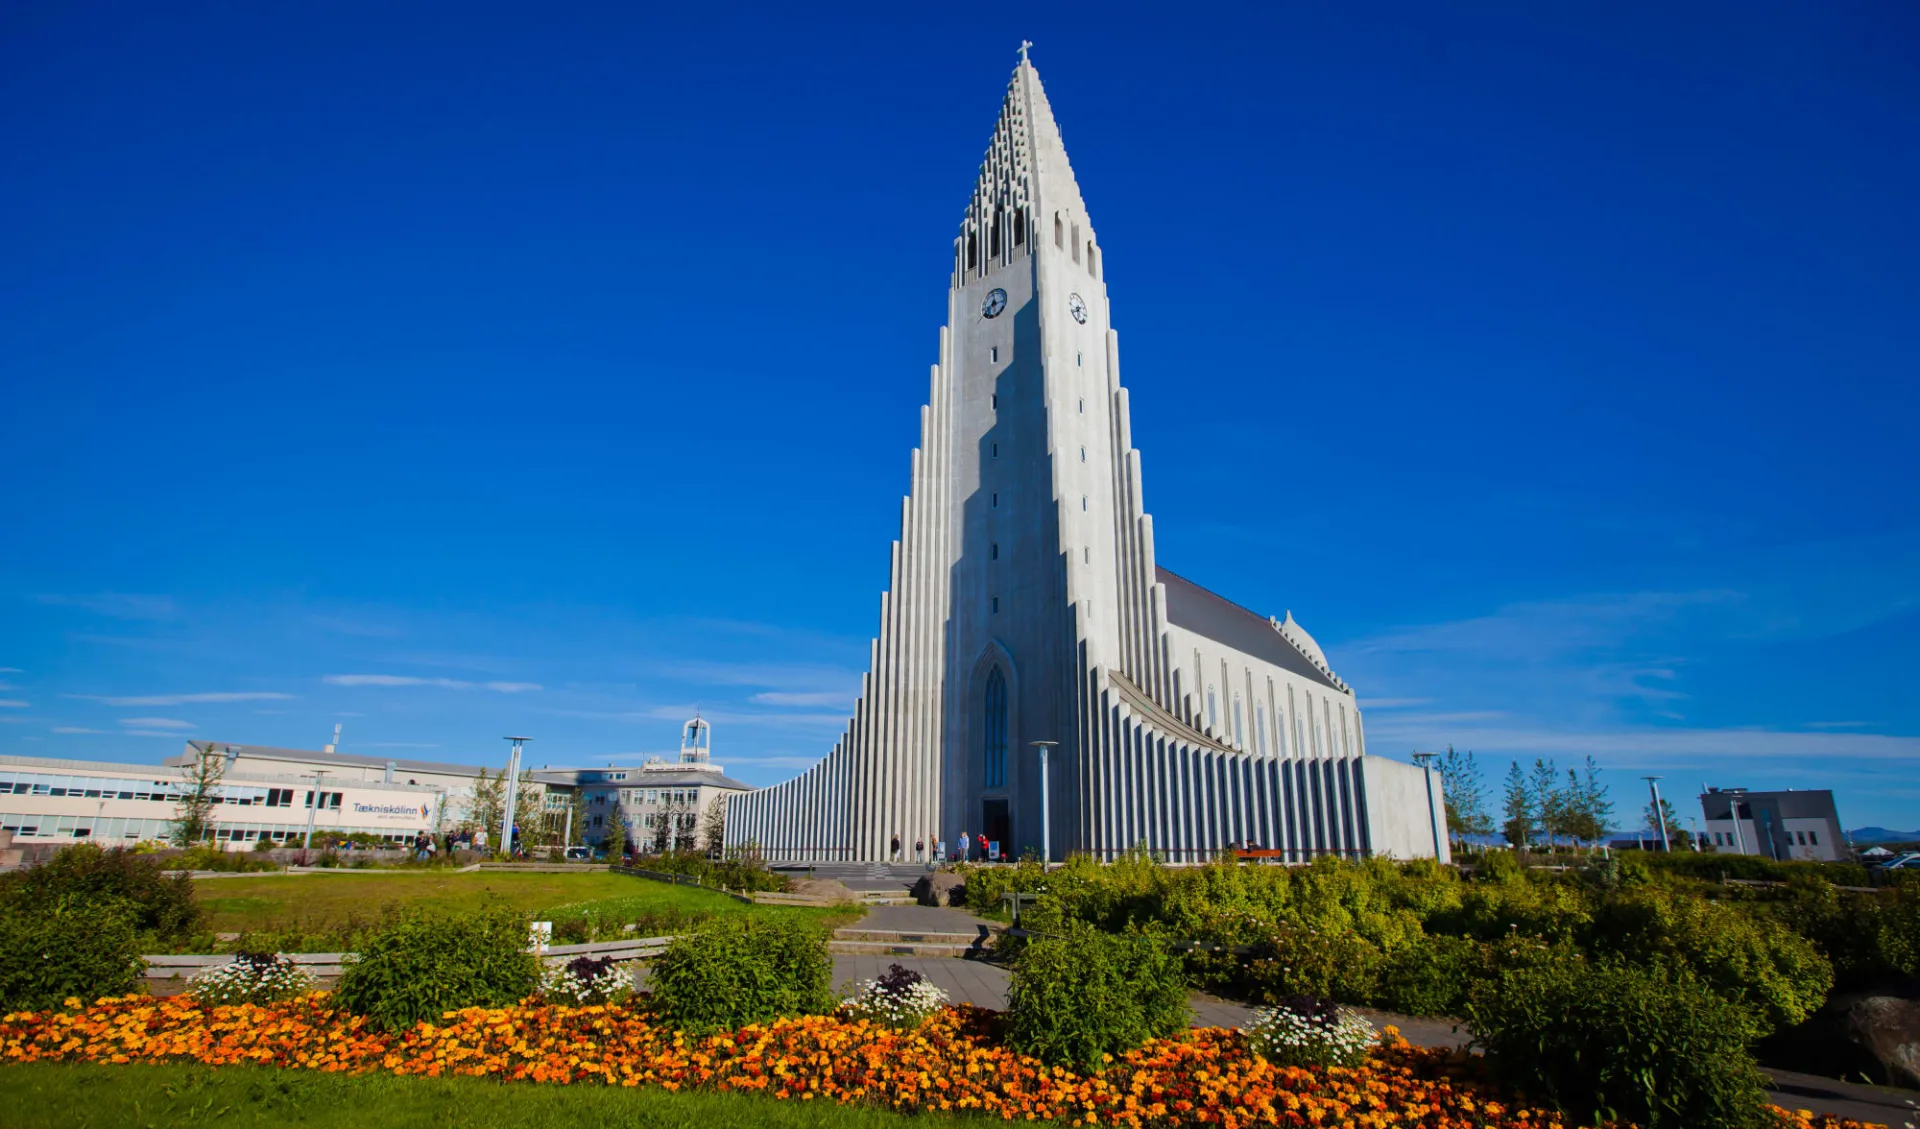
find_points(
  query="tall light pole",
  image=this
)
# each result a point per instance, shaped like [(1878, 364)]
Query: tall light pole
[(313, 806), (513, 794), (1046, 810), (1659, 815)]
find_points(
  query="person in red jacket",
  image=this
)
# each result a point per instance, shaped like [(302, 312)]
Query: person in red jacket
[(983, 847)]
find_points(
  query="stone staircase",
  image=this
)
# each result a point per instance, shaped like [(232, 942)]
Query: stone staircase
[(854, 941)]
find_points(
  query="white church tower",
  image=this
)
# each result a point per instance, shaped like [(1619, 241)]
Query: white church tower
[(1025, 604)]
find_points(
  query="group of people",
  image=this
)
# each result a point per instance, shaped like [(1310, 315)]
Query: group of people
[(426, 846), (962, 846)]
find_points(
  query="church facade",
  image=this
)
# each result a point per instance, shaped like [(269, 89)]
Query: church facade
[(1026, 605)]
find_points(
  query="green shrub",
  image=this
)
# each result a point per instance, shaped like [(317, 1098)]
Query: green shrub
[(1741, 956), (1871, 938), (84, 873), (751, 873), (421, 964), (1332, 964), (1431, 976), (1756, 867), (1609, 1041), (740, 970), (53, 949), (1079, 994), (226, 862)]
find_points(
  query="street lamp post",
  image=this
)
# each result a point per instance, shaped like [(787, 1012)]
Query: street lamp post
[(1659, 815), (313, 806), (513, 794), (1046, 810)]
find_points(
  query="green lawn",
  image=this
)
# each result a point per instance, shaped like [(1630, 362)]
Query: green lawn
[(64, 1096), (319, 911)]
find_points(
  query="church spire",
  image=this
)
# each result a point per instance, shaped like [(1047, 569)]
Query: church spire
[(1024, 179)]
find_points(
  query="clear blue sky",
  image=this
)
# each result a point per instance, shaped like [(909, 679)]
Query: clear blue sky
[(451, 370)]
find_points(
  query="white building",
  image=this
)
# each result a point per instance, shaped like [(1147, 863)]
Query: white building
[(1026, 604), (44, 800), (679, 793), (1795, 824)]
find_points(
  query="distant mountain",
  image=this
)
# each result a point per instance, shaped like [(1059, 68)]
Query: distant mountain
[(1866, 836)]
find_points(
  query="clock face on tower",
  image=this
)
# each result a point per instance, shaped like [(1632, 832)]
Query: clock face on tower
[(1077, 307), (996, 301)]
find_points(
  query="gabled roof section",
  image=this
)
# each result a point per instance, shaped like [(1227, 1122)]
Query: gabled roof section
[(1223, 621)]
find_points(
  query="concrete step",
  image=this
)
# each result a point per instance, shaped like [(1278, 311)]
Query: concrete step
[(903, 949), (904, 936)]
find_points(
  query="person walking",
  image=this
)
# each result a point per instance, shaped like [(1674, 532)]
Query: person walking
[(960, 847), (895, 856), (919, 850)]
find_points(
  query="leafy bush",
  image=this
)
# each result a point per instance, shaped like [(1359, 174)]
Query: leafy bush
[(1609, 1041), (902, 998), (1303, 1031), (750, 873), (54, 949), (226, 862), (741, 970), (422, 964), (1742, 957), (1756, 868), (251, 978), (84, 873), (1079, 995), (1872, 939), (1293, 960), (1431, 976), (584, 981)]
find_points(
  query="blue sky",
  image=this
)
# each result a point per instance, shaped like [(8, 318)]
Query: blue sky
[(447, 371)]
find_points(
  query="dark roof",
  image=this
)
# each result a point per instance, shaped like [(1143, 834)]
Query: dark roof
[(269, 752), (639, 778), (1220, 619)]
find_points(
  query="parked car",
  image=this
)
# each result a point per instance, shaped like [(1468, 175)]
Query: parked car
[(579, 854)]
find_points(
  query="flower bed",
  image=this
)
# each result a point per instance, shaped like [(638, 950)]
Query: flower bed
[(952, 1062)]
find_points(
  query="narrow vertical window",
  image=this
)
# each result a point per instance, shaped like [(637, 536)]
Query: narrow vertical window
[(995, 729), (1213, 711), (1083, 454), (1083, 503), (1077, 360), (993, 401), (1076, 242), (995, 503), (973, 252), (993, 552), (1089, 256), (996, 450), (993, 354), (1056, 230), (1086, 555), (1019, 228), (1083, 406), (993, 604)]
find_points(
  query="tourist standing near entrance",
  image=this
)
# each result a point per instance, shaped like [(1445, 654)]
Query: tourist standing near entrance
[(960, 848), (896, 846), (919, 850)]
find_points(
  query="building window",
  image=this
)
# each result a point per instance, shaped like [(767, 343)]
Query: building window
[(993, 354), (993, 551), (996, 450), (1083, 406), (1076, 242), (1077, 362), (1057, 238), (1086, 555), (1083, 503), (1213, 711), (995, 729), (1083, 454), (1813, 838), (993, 402), (994, 502), (993, 604)]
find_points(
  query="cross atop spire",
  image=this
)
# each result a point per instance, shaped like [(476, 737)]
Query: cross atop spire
[(1024, 44)]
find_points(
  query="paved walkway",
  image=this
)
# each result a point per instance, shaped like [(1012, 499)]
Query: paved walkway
[(922, 919)]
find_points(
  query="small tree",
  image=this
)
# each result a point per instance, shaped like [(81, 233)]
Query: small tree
[(616, 840), (1679, 837), (1549, 800), (662, 828), (577, 825), (1465, 795), (1588, 808), (489, 800), (1517, 807), (193, 813), (713, 831)]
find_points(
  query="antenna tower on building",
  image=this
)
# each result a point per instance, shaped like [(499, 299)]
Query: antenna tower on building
[(696, 741)]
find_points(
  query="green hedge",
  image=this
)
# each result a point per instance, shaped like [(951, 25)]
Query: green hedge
[(161, 905), (422, 963), (1078, 995), (741, 970), (53, 950), (1612, 1042)]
